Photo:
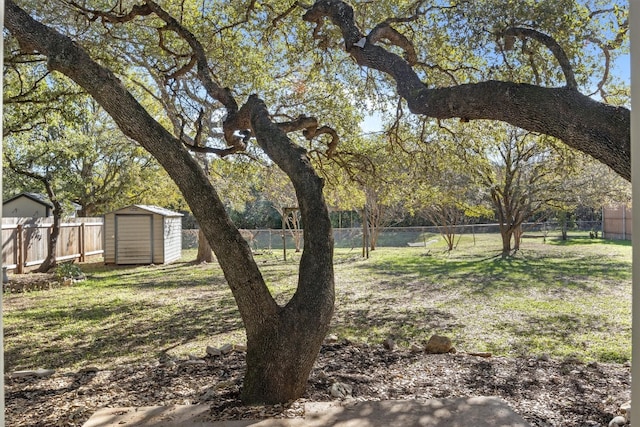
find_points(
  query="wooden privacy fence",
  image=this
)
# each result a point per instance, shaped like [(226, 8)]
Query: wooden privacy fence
[(616, 222), (24, 240)]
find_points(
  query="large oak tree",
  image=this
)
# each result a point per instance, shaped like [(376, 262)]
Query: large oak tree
[(283, 341)]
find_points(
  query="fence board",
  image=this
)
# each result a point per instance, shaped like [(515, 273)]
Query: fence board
[(617, 222), (25, 240)]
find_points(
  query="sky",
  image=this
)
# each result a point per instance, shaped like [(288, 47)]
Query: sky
[(622, 68)]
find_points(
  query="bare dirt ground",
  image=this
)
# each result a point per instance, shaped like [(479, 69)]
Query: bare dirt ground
[(545, 392)]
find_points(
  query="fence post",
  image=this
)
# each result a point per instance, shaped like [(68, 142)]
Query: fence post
[(81, 243), (624, 222), (20, 263)]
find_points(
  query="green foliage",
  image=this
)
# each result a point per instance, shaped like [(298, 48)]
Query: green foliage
[(67, 270), (87, 160), (255, 47)]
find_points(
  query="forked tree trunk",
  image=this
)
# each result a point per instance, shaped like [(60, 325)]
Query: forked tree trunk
[(282, 348), (282, 342), (510, 233)]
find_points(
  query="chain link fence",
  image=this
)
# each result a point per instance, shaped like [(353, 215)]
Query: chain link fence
[(269, 239)]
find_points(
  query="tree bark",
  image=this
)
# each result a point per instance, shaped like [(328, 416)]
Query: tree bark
[(52, 244), (506, 233), (517, 237), (205, 253), (282, 350), (284, 341), (597, 129)]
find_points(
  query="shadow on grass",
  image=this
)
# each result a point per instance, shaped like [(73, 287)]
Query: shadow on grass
[(118, 329), (585, 240), (544, 333), (390, 321), (486, 275)]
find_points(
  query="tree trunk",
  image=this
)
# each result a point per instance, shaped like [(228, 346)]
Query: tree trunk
[(278, 359), (50, 260), (284, 341), (205, 253), (282, 348), (517, 237), (507, 234)]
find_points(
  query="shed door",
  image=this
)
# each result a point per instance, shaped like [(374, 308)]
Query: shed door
[(134, 239)]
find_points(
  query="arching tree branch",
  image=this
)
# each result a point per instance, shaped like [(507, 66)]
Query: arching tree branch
[(553, 46), (595, 128)]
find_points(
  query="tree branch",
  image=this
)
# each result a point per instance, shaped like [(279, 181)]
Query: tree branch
[(553, 46), (67, 57), (597, 129), (310, 130)]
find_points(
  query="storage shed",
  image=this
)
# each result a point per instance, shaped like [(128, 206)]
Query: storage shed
[(142, 234), (34, 205), (28, 205)]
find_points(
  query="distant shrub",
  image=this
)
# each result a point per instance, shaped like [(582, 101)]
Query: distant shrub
[(68, 270)]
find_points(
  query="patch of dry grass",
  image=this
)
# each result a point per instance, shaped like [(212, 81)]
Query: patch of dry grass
[(555, 298)]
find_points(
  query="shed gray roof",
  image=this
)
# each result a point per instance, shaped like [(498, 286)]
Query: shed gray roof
[(158, 210)]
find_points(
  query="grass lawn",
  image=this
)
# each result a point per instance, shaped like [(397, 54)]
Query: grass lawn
[(561, 298)]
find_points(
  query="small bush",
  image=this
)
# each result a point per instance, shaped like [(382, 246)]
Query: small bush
[(68, 270)]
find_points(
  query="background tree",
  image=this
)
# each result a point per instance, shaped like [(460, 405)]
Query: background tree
[(440, 184), (523, 174), (376, 183), (277, 189), (588, 185), (449, 200), (43, 163)]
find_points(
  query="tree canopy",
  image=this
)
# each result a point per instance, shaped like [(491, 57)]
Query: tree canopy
[(261, 79)]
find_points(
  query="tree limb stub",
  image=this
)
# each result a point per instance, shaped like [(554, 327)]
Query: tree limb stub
[(310, 130), (385, 31), (595, 128)]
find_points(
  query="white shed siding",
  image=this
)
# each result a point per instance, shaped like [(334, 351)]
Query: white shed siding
[(134, 244), (172, 239)]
